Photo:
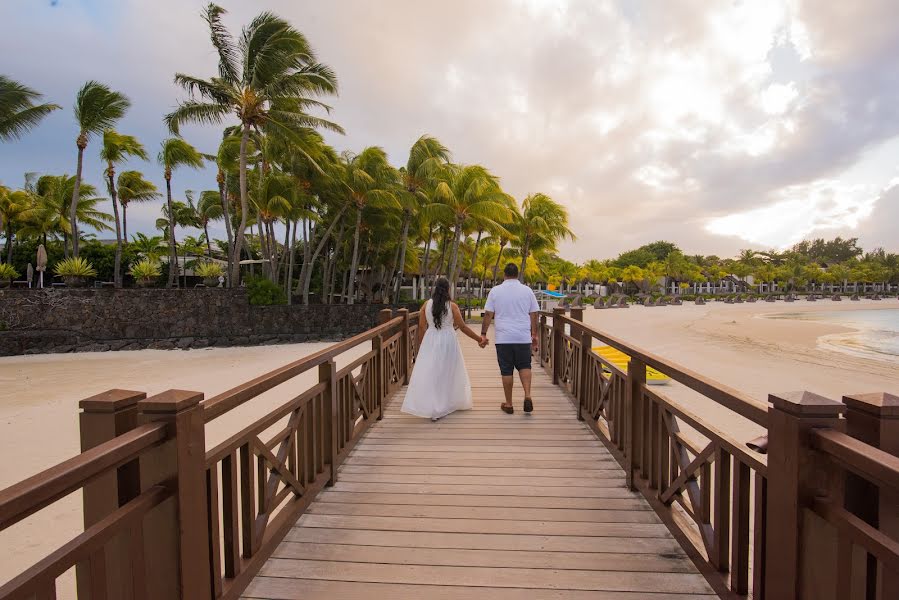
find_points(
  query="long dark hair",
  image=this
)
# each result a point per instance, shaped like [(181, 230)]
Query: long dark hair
[(439, 300)]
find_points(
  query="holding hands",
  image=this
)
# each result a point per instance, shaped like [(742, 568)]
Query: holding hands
[(484, 341)]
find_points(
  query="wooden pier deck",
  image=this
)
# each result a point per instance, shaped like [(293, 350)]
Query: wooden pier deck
[(480, 505)]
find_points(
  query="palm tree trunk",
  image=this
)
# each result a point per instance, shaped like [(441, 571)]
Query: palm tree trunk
[(525, 250), (443, 246), (321, 244), (76, 193), (208, 241), (9, 236), (307, 251), (474, 258), (117, 266), (423, 274), (293, 248), (226, 214), (354, 264), (244, 206), (173, 253), (287, 247), (457, 238), (402, 258), (499, 257), (125, 222)]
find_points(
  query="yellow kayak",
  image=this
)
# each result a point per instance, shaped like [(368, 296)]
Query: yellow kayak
[(620, 360)]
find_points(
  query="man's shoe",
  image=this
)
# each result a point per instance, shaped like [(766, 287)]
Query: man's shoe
[(528, 405)]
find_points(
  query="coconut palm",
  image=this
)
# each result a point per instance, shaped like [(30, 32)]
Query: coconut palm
[(132, 187), (118, 148), (97, 108), (541, 224), (426, 158), (368, 181), (49, 209), (175, 153), (465, 194), (209, 208), (18, 111), (151, 248), (269, 79), (12, 204)]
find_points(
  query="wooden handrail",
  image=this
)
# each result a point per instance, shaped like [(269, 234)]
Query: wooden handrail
[(216, 406), (25, 498), (740, 403), (865, 460), (82, 546)]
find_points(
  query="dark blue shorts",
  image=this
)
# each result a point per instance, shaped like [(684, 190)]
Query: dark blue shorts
[(513, 356)]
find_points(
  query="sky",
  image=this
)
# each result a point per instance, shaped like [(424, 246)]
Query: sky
[(718, 125)]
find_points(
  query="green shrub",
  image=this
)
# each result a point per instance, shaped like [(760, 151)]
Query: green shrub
[(7, 272), (75, 267), (262, 292), (209, 269), (146, 270)]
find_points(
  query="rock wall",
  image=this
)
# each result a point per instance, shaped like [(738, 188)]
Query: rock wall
[(91, 320)]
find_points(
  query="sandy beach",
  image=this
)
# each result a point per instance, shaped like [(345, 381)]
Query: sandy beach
[(737, 345)]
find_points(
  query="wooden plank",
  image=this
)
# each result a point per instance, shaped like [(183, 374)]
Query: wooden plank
[(486, 558), (527, 481), (477, 470), (636, 530), (534, 464), (628, 581), (494, 513), (485, 490), (277, 588), (510, 502)]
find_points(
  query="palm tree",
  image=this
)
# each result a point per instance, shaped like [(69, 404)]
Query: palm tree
[(132, 187), (18, 111), (209, 208), (148, 247), (12, 204), (97, 108), (116, 149), (542, 223), (269, 79), (368, 180), (49, 210), (175, 153), (468, 193), (426, 158)]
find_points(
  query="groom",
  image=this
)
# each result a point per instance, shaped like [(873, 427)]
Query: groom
[(515, 309)]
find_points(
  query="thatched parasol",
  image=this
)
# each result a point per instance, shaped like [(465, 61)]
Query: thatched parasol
[(41, 264)]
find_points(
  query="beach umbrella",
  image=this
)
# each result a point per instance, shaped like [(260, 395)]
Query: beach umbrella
[(29, 274), (41, 264)]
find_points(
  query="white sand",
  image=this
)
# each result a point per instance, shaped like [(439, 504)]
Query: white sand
[(729, 343)]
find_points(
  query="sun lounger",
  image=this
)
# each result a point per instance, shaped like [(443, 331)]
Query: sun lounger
[(810, 298), (770, 298), (699, 301), (876, 297), (600, 303), (622, 302), (854, 297), (837, 298), (676, 302), (620, 360)]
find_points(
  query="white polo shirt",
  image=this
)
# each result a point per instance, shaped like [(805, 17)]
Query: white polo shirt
[(512, 303)]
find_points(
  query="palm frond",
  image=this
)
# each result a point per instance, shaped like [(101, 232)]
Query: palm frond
[(229, 69)]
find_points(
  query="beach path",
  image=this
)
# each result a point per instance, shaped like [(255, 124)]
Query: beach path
[(480, 505)]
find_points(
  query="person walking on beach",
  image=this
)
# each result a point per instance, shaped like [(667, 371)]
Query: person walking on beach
[(439, 384), (514, 307)]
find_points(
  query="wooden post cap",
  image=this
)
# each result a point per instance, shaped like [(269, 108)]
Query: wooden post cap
[(879, 404), (806, 404), (170, 401), (384, 315), (111, 401)]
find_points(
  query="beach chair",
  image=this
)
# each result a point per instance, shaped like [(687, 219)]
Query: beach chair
[(663, 301), (770, 298), (876, 297), (620, 360), (837, 298), (700, 301), (810, 298), (854, 297), (676, 302), (728, 300), (622, 302), (578, 302), (752, 299), (738, 299), (600, 303), (649, 301), (788, 298), (564, 303)]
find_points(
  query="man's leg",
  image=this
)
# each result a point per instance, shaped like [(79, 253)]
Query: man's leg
[(525, 376), (523, 364), (505, 358), (508, 382)]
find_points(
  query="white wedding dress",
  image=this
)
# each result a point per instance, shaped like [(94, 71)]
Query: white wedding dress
[(439, 384)]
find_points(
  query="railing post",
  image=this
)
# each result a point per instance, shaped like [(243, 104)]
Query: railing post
[(406, 346), (874, 419), (177, 534), (104, 417), (377, 344), (586, 343), (558, 330), (792, 485), (384, 315), (327, 374), (636, 379)]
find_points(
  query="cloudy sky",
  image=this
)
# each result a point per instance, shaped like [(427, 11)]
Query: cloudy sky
[(718, 125)]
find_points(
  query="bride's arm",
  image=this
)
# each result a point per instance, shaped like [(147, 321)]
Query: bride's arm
[(459, 323), (422, 324)]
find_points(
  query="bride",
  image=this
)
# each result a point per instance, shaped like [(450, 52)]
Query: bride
[(439, 384)]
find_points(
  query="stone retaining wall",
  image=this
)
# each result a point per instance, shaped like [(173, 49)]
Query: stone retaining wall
[(39, 321)]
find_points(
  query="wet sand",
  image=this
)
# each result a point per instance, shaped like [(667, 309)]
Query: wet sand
[(733, 344)]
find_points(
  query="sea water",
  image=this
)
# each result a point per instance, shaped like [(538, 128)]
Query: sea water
[(875, 331)]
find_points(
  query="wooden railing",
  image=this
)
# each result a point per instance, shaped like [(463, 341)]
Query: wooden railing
[(164, 518), (745, 523)]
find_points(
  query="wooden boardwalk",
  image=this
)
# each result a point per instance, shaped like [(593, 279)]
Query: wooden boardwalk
[(480, 505)]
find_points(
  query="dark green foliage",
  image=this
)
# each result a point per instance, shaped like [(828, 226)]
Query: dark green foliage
[(262, 292), (102, 257), (642, 256)]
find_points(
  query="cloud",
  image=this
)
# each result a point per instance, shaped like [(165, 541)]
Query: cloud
[(647, 123)]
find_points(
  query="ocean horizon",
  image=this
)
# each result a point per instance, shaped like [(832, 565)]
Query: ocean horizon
[(875, 331)]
